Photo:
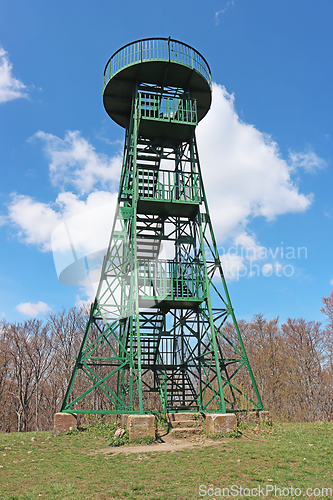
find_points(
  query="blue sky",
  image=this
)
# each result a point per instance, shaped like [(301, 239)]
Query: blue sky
[(265, 147)]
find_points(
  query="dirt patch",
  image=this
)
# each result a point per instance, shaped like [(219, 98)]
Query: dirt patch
[(169, 444)]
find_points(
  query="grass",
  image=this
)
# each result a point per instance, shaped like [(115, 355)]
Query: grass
[(38, 465)]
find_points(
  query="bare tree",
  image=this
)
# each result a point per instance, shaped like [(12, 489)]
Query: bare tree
[(22, 374), (67, 329), (267, 359), (305, 345), (6, 409), (328, 310), (292, 365), (38, 345)]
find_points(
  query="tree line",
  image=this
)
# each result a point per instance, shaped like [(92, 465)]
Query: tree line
[(292, 365)]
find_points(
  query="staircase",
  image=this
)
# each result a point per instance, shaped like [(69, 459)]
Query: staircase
[(148, 238), (148, 165), (186, 424), (150, 334), (180, 288), (148, 231), (181, 394)]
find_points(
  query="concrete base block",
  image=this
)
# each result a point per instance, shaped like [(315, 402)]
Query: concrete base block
[(64, 422), (140, 426), (124, 421), (220, 423)]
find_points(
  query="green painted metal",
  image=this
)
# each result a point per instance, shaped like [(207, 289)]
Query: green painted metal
[(153, 107), (155, 340), (156, 49)]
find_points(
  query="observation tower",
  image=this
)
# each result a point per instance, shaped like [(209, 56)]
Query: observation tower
[(156, 339)]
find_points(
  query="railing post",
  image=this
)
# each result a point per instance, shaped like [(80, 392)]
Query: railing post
[(169, 187)]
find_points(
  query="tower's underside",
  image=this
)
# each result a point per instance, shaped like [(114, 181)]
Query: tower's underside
[(155, 338)]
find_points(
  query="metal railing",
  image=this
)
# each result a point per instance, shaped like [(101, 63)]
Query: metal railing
[(166, 185), (170, 280), (156, 49), (156, 107)]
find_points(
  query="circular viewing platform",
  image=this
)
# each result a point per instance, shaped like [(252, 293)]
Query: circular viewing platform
[(163, 62)]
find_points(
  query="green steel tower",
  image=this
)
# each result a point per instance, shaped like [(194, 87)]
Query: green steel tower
[(156, 337)]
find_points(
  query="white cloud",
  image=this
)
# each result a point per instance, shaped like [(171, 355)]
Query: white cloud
[(3, 220), (33, 310), (331, 281), (36, 221), (243, 171), (85, 296), (307, 160), (267, 269), (231, 3), (75, 227), (10, 87), (233, 266), (237, 259), (249, 247), (74, 162), (89, 222)]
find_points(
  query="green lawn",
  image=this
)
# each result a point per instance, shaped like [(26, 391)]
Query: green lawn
[(37, 465)]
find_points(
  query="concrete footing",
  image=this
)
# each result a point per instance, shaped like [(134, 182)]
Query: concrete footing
[(64, 422), (220, 423), (140, 426), (124, 421)]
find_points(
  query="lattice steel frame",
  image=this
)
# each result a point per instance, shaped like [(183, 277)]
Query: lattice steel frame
[(156, 325)]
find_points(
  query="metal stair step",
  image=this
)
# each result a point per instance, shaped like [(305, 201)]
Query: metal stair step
[(148, 168), (148, 243)]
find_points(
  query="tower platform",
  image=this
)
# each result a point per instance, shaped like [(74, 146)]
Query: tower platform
[(160, 63)]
